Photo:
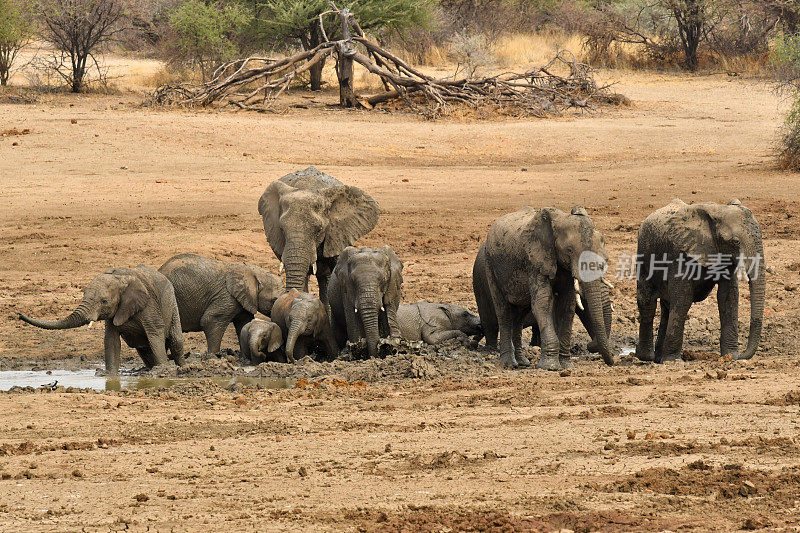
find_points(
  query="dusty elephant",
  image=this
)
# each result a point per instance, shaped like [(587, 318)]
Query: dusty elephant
[(304, 324), (260, 340), (539, 261), (309, 218), (434, 322), (137, 304), (211, 294), (364, 295), (685, 251), (483, 298)]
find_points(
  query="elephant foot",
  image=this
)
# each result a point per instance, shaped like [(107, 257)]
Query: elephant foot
[(645, 355), (593, 346), (523, 361), (565, 361), (180, 360), (509, 361), (549, 363), (734, 353)]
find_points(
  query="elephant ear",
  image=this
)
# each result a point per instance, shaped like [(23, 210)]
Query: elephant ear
[(269, 207), (542, 243), (134, 298), (243, 285), (275, 337), (395, 285), (352, 214)]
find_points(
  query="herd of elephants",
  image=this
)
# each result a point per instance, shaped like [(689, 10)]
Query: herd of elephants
[(535, 268)]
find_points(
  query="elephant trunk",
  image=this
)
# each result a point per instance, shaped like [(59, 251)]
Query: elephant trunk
[(598, 307), (295, 329), (76, 319), (756, 272), (297, 265), (368, 309)]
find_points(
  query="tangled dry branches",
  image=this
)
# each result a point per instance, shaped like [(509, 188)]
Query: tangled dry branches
[(256, 82)]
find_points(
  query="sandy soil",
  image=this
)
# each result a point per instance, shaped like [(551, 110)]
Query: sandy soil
[(98, 182)]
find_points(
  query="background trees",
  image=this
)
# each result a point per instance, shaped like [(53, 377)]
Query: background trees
[(15, 30)]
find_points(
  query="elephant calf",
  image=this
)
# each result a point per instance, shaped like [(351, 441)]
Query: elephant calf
[(259, 340), (435, 323), (137, 304), (211, 294), (364, 294), (304, 323)]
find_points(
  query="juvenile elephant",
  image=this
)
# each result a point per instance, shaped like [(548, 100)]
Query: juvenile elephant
[(304, 323), (684, 251), (435, 323), (211, 294), (483, 298), (259, 340), (364, 295), (539, 261), (137, 304), (309, 218)]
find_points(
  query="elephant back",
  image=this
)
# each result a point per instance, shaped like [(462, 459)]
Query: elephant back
[(311, 179)]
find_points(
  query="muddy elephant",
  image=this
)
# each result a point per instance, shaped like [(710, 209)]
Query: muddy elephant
[(540, 261), (483, 298), (305, 325), (309, 218), (434, 323), (137, 304), (211, 294), (684, 251), (261, 340), (364, 295)]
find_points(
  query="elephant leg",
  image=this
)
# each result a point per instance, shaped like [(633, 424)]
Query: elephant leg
[(680, 300), (563, 312), (354, 327), (646, 301), (214, 331), (301, 348), (322, 281), (175, 342), (112, 346), (662, 328), (146, 354), (241, 321), (728, 305), (437, 337), (505, 323), (158, 346), (519, 351), (542, 309)]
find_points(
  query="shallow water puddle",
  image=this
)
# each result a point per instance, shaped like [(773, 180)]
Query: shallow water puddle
[(87, 379)]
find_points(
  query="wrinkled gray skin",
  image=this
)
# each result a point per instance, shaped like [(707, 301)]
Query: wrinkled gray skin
[(304, 324), (261, 340), (532, 259), (699, 230), (309, 218), (211, 294), (480, 285), (364, 295), (138, 304), (434, 323)]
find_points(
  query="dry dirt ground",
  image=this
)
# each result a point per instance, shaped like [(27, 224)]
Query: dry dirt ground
[(93, 182)]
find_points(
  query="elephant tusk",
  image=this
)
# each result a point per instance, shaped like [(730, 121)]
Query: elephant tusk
[(280, 268), (577, 286), (578, 301), (91, 322), (612, 308), (382, 309), (355, 309), (607, 283), (314, 268)]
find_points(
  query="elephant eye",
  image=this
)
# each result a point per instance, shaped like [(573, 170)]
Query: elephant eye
[(104, 301)]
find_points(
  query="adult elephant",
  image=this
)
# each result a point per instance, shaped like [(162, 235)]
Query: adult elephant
[(211, 294), (483, 298), (685, 251), (137, 304), (309, 218), (539, 261), (364, 294)]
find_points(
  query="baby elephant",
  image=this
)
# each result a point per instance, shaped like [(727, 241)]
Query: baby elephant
[(137, 304), (435, 323), (304, 323), (259, 340)]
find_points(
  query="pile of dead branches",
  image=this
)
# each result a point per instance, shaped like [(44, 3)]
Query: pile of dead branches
[(256, 82)]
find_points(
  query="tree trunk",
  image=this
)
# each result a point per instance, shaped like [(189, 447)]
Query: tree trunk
[(344, 65), (314, 39)]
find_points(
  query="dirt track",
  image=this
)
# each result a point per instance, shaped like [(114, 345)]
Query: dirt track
[(529, 449)]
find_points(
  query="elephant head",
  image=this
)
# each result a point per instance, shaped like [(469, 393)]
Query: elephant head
[(570, 243), (462, 320), (266, 339), (253, 287), (303, 315), (109, 296), (306, 224), (373, 283), (731, 232)]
